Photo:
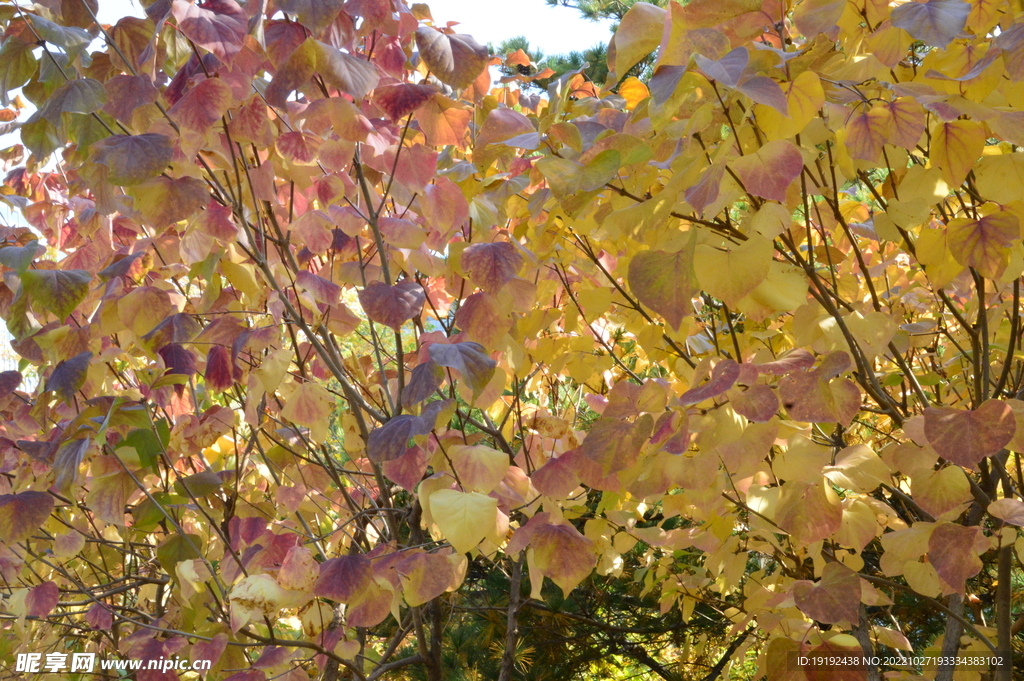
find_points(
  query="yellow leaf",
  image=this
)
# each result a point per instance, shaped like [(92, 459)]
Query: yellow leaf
[(983, 244), (785, 288), (805, 98), (479, 467), (464, 518), (922, 578), (638, 34), (932, 252), (955, 148), (310, 405), (731, 274), (633, 91), (1000, 178), (867, 131), (858, 468)]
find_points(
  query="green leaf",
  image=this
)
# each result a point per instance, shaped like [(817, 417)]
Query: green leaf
[(17, 66), (664, 282), (72, 40), (82, 95), (200, 484), (69, 376), (176, 548), (18, 258), (146, 445), (58, 291)]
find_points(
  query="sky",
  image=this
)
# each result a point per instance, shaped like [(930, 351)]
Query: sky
[(553, 29)]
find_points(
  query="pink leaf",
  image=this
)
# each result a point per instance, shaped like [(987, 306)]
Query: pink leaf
[(836, 598), (392, 305), (723, 376), (492, 265), (965, 437), (42, 599), (219, 25), (769, 171), (952, 552), (757, 403)]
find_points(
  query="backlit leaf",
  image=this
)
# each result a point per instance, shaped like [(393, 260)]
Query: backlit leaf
[(817, 16), (316, 15), (83, 95), (340, 579), (443, 121), (492, 265), (563, 555), (163, 201), (615, 444), (664, 282), (398, 101), (480, 468), (935, 22), (952, 552), (723, 376), (731, 273), (42, 599), (464, 518), (344, 71), (726, 70), (69, 376), (956, 145), (858, 468), (425, 576), (637, 35), (58, 291), (202, 106), (218, 25), (9, 382), (818, 396), (391, 440), (125, 94), (294, 74), (808, 511), (866, 132), (983, 243), (1008, 510)]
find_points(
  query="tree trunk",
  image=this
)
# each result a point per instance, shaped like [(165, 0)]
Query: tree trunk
[(1003, 620), (862, 632), (508, 659), (951, 639)]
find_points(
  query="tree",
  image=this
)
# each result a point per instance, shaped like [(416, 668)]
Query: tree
[(348, 361), (531, 68), (595, 10)]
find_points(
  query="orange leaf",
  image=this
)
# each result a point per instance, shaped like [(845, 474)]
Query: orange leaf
[(444, 122)]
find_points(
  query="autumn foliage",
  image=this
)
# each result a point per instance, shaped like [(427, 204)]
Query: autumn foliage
[(318, 325)]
